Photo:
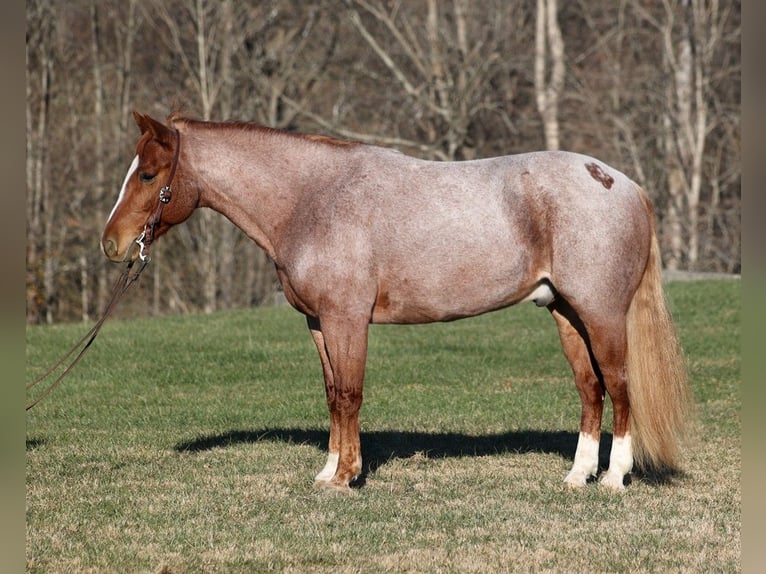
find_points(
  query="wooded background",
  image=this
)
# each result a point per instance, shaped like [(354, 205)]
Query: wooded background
[(650, 86)]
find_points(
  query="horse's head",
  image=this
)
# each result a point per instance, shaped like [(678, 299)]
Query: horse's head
[(156, 162)]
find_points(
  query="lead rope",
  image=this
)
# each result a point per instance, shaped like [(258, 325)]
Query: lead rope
[(123, 283)]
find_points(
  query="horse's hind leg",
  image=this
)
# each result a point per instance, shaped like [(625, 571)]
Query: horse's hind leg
[(596, 346), (574, 341), (609, 346)]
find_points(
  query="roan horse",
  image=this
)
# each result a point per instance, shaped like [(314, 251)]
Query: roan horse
[(361, 234)]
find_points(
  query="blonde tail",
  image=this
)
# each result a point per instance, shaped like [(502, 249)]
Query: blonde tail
[(661, 406)]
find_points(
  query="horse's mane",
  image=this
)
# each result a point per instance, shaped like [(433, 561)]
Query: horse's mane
[(178, 117)]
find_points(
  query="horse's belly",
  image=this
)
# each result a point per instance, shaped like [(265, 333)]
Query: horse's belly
[(445, 298)]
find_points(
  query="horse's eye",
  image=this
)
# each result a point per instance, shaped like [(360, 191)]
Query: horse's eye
[(146, 177)]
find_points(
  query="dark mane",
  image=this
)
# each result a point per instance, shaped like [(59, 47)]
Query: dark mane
[(179, 118)]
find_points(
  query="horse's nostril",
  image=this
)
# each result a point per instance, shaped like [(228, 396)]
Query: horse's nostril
[(110, 248)]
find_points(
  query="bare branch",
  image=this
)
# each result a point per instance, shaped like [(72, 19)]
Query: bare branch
[(364, 137)]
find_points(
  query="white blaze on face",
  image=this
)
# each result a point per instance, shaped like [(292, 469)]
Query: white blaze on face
[(131, 170)]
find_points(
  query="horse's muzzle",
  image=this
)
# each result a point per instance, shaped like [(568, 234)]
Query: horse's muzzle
[(111, 249)]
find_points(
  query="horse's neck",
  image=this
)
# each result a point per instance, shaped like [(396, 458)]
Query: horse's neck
[(256, 178)]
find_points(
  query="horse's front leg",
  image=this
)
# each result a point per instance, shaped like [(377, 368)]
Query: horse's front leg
[(333, 449), (342, 347)]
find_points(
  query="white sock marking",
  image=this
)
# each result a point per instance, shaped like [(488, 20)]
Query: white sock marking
[(620, 463), (329, 469), (585, 462)]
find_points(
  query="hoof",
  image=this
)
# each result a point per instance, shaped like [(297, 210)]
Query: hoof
[(334, 487), (613, 482), (576, 480)]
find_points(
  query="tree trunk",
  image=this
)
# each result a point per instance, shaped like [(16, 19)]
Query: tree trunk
[(548, 90), (36, 162), (98, 152), (687, 125)]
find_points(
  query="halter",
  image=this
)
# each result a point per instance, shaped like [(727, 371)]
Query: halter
[(124, 281), (166, 194)]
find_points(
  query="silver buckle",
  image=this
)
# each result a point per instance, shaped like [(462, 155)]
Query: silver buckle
[(166, 194), (141, 247)]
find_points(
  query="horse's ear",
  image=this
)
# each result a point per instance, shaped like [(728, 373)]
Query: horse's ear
[(141, 121), (148, 124)]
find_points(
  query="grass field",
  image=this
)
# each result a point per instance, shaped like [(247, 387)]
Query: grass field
[(189, 444)]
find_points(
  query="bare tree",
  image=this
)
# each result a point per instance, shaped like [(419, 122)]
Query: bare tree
[(208, 64), (667, 122), (98, 155), (691, 33), (441, 78), (41, 18), (287, 53), (549, 45)]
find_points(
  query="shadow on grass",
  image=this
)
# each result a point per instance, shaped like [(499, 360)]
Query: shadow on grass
[(33, 443), (378, 447)]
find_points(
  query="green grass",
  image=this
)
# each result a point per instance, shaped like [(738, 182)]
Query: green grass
[(189, 444)]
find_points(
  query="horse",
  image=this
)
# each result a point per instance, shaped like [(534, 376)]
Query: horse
[(361, 234)]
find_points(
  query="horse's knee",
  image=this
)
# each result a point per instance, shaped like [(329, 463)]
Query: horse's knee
[(348, 401)]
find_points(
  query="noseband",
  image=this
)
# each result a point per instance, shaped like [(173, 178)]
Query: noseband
[(166, 194)]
